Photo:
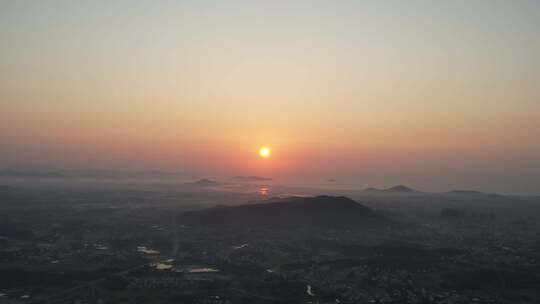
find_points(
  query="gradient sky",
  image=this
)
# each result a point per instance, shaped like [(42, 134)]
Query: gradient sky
[(433, 94)]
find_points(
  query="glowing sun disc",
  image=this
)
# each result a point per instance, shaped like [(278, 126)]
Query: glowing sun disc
[(264, 152)]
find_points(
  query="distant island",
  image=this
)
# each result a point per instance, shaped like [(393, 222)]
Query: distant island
[(204, 182), (404, 190), (399, 189)]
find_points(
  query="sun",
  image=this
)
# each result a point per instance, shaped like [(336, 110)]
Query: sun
[(264, 152)]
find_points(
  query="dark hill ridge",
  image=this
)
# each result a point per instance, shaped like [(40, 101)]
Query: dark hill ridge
[(297, 211)]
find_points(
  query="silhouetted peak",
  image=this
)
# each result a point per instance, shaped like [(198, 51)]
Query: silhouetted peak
[(205, 182), (401, 188)]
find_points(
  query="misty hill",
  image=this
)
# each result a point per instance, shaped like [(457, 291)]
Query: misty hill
[(399, 189), (296, 211), (204, 182), (251, 178)]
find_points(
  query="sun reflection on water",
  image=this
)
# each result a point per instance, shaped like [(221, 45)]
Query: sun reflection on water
[(263, 191)]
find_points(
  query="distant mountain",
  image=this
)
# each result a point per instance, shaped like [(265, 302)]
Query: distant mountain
[(400, 189), (251, 178), (372, 190), (204, 182), (296, 211)]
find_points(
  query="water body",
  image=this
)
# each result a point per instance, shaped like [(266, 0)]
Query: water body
[(162, 266), (240, 247), (309, 291), (143, 249), (203, 270)]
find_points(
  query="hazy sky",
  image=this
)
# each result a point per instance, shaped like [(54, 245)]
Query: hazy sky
[(433, 94)]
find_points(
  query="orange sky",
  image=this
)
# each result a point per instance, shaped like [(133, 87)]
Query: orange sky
[(436, 95)]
